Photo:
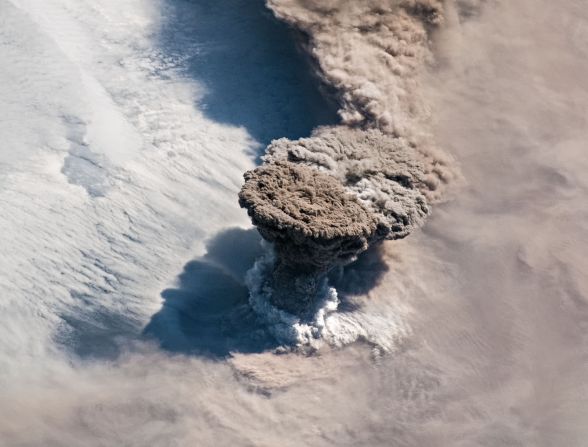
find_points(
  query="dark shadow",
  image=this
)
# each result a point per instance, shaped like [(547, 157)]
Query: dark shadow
[(207, 313), (253, 73), (359, 277)]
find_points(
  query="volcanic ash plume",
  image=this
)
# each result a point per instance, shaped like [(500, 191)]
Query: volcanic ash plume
[(371, 52), (323, 200), (381, 171), (313, 223)]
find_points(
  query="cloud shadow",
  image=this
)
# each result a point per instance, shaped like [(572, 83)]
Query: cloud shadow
[(358, 278), (207, 313), (252, 70)]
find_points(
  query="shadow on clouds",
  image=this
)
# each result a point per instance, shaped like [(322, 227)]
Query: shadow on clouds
[(358, 278), (207, 312), (249, 64)]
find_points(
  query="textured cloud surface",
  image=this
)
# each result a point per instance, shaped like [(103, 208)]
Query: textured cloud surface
[(382, 172)]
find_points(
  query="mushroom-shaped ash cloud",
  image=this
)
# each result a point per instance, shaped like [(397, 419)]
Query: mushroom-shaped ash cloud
[(314, 224), (382, 171), (322, 200)]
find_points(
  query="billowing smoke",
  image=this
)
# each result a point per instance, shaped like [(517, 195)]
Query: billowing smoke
[(323, 200), (313, 223), (382, 172), (372, 53)]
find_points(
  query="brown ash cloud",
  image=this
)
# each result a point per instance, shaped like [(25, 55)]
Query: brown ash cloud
[(382, 172), (313, 223), (371, 53)]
